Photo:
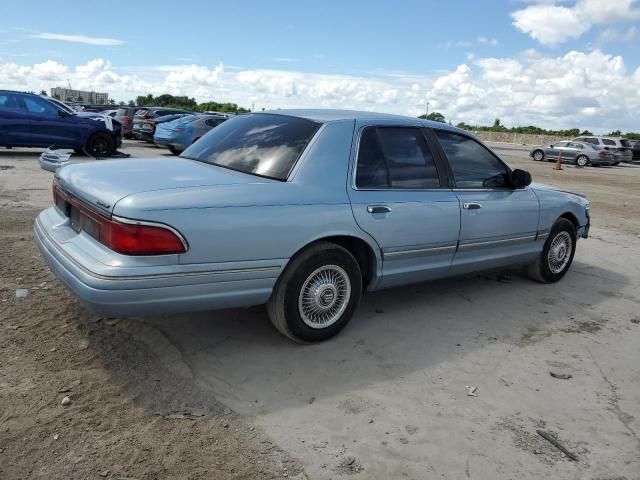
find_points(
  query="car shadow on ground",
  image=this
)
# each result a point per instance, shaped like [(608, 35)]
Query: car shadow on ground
[(239, 358)]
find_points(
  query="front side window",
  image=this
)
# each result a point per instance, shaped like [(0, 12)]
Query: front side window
[(472, 164), (561, 144), (37, 105), (395, 157), (263, 144)]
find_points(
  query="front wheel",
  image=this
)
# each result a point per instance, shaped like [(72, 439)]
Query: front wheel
[(557, 253), (582, 161), (100, 145), (174, 150), (538, 155), (317, 294)]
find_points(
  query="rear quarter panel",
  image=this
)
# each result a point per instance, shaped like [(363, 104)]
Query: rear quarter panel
[(263, 220)]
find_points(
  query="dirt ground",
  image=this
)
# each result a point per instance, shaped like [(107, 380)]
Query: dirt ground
[(221, 395)]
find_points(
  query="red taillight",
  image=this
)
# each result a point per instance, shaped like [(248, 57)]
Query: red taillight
[(603, 153), (126, 120), (134, 238), (138, 239)]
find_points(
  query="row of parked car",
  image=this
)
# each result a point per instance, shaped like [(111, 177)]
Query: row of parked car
[(590, 150), (169, 127)]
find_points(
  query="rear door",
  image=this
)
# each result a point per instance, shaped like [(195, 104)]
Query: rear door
[(498, 223), (400, 196), (14, 121)]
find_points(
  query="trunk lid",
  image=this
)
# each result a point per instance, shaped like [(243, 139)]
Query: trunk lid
[(101, 184)]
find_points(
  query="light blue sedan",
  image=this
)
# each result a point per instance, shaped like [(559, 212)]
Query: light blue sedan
[(303, 210)]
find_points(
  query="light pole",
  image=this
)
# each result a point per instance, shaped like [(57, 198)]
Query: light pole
[(427, 108)]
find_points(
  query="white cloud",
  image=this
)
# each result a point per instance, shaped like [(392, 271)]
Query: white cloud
[(487, 41), (78, 39), (580, 89), (611, 35), (608, 11), (551, 24)]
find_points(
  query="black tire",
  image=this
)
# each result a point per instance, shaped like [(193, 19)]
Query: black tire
[(542, 270), (100, 145), (582, 160), (284, 307), (174, 150), (539, 154)]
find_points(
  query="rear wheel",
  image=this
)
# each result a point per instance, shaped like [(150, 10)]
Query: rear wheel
[(557, 253), (538, 155), (582, 161), (317, 293), (100, 145)]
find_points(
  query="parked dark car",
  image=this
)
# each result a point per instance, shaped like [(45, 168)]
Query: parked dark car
[(147, 129), (28, 120), (150, 115), (125, 116), (635, 144)]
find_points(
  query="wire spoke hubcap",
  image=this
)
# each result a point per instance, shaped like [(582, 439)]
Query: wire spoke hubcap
[(560, 252), (324, 296)]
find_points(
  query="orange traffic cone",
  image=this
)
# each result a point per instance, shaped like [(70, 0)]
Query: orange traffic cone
[(559, 162)]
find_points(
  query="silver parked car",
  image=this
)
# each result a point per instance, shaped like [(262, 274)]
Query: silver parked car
[(621, 148), (578, 153), (303, 210)]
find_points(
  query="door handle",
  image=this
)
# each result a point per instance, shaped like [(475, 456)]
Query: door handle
[(472, 206), (378, 209)]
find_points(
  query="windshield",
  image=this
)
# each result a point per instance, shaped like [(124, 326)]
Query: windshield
[(60, 105), (263, 144)]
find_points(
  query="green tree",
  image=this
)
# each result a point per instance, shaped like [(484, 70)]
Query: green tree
[(112, 101), (43, 93), (585, 132), (615, 133), (435, 116)]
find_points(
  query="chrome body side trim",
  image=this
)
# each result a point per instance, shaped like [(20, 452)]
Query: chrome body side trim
[(491, 243), (419, 251)]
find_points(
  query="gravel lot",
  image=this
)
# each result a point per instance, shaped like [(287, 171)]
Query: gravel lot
[(222, 395)]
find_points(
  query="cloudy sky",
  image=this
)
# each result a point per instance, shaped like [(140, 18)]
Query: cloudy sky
[(550, 63)]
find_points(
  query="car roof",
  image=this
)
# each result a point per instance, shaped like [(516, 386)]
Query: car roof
[(330, 115)]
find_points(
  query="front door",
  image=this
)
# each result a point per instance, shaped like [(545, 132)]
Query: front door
[(50, 126), (498, 223), (397, 197)]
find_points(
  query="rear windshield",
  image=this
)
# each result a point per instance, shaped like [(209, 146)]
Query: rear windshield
[(263, 144)]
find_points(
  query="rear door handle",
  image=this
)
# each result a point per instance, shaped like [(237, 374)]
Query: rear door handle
[(472, 206), (378, 209)]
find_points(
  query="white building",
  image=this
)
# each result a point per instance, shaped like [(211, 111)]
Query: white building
[(80, 96)]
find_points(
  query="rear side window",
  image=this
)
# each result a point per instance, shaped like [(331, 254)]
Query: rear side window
[(263, 144), (473, 165), (8, 101), (626, 143), (606, 141), (395, 157), (213, 122), (593, 141)]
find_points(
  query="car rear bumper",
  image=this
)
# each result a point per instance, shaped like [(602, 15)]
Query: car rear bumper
[(152, 292)]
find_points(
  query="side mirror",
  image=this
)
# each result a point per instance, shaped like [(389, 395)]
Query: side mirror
[(520, 179)]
